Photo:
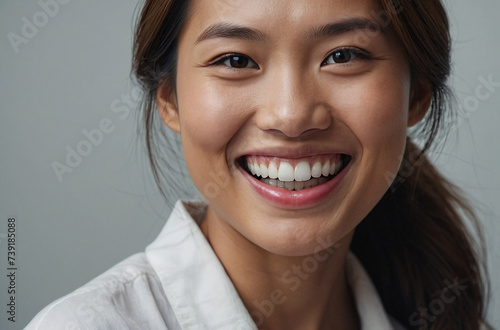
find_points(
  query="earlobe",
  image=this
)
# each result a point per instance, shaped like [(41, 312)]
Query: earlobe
[(420, 101), (166, 102)]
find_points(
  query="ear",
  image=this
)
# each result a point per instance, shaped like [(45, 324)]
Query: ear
[(420, 101), (166, 101)]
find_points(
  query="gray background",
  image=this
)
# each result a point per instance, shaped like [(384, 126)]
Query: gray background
[(74, 72)]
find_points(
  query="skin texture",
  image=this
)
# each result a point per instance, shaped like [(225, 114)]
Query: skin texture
[(289, 99)]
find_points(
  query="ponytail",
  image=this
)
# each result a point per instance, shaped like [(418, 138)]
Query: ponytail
[(419, 252)]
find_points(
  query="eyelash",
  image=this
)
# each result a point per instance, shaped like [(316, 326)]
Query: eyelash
[(219, 61), (359, 54), (354, 51)]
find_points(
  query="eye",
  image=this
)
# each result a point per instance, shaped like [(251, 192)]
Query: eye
[(236, 61), (344, 55)]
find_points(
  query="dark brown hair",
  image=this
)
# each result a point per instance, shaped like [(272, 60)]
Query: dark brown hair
[(415, 243)]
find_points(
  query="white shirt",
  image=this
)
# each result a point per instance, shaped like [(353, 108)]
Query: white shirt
[(179, 283)]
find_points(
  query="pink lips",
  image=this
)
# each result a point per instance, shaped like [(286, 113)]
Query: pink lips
[(304, 198)]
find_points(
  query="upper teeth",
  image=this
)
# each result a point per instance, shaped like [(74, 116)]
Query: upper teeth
[(303, 171)]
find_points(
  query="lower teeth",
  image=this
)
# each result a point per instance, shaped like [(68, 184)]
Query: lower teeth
[(296, 185)]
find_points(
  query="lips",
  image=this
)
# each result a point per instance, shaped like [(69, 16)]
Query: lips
[(294, 182)]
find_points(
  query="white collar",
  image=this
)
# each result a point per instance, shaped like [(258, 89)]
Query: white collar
[(198, 287)]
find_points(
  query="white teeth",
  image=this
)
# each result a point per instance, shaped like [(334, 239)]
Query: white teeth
[(296, 178), (251, 168), (316, 170), (257, 169), (302, 171), (332, 168), (285, 172), (273, 171), (325, 171), (264, 172)]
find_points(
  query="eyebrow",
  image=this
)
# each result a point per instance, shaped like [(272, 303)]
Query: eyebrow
[(232, 31), (345, 26), (228, 30)]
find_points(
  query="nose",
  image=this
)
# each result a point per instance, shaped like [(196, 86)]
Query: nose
[(292, 104)]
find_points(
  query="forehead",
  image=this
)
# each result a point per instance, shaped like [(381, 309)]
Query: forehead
[(275, 17)]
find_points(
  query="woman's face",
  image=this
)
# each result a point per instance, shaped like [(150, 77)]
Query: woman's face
[(298, 89)]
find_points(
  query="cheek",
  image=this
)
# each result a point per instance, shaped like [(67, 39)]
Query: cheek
[(210, 116), (378, 110), (206, 115), (374, 108), (375, 111)]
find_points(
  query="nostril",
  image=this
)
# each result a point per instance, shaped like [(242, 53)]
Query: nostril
[(295, 123), (294, 132)]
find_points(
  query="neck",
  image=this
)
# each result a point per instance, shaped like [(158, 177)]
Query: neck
[(283, 292)]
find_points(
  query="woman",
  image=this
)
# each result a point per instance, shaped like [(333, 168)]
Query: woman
[(294, 117)]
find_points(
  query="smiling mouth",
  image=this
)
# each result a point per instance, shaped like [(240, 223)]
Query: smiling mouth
[(294, 174)]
